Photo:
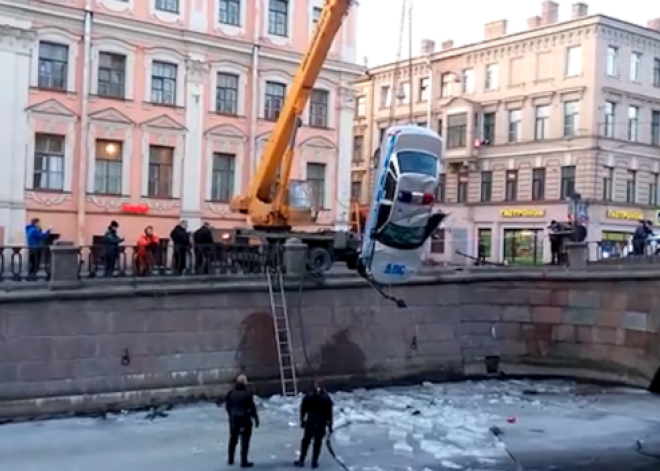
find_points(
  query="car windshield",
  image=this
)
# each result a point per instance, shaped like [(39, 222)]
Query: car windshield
[(406, 237), (418, 162)]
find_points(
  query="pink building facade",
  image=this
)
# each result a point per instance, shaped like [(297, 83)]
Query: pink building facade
[(151, 111)]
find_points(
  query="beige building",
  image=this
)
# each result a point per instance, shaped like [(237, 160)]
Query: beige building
[(529, 119)]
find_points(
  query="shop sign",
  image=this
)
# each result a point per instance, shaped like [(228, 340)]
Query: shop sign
[(629, 215), (135, 208), (522, 213)]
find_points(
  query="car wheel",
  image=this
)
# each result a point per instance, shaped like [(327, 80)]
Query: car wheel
[(319, 259)]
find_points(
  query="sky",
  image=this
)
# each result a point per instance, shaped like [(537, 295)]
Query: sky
[(463, 21)]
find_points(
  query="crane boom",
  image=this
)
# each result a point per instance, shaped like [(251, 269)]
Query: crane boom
[(264, 209)]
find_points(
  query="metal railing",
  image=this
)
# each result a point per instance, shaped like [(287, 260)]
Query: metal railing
[(19, 264)]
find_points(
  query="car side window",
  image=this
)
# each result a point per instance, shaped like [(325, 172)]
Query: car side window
[(383, 216), (390, 187)]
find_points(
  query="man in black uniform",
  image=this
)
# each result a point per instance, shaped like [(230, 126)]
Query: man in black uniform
[(241, 411), (315, 419)]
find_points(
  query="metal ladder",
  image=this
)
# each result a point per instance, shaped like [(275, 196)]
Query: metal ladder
[(282, 332)]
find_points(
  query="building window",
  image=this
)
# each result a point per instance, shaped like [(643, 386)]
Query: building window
[(318, 109), (446, 82), (511, 190), (161, 167), (489, 128), (385, 97), (361, 107), (170, 6), (574, 61), (491, 77), (631, 187), (538, 184), (438, 242), (53, 66), (222, 177), (468, 81), (404, 94), (567, 181), (515, 125), (278, 18), (275, 93), (612, 61), (230, 12), (48, 162), (424, 89), (163, 83), (316, 15), (356, 187), (636, 67), (656, 73), (381, 135), (441, 127), (442, 188), (112, 75), (571, 118), (226, 94), (485, 241), (655, 128), (542, 124), (108, 167), (608, 178), (456, 131), (653, 190), (358, 149), (610, 119), (486, 186), (316, 182), (462, 188), (633, 123)]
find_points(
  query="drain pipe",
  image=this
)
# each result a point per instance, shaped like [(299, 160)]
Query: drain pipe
[(255, 86), (429, 105), (84, 125)]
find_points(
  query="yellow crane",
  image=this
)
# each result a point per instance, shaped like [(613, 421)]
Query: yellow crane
[(266, 202)]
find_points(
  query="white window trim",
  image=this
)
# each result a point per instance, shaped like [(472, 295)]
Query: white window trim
[(280, 40), (235, 69), (215, 140), (327, 86), (167, 17), (127, 153), (171, 57), (119, 6), (114, 46), (177, 164), (273, 76), (231, 30), (59, 37), (69, 147)]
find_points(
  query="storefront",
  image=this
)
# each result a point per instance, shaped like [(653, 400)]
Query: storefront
[(523, 241)]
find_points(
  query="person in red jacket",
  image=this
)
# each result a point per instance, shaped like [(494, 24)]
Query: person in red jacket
[(146, 246)]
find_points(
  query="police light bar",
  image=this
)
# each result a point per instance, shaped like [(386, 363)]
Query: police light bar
[(416, 197)]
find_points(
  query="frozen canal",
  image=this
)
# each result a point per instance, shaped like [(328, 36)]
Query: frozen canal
[(541, 426)]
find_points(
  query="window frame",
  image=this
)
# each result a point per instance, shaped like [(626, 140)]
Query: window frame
[(48, 156)]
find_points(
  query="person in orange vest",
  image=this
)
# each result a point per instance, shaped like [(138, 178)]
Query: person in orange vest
[(146, 246)]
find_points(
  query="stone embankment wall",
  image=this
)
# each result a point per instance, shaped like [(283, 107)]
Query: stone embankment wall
[(94, 349)]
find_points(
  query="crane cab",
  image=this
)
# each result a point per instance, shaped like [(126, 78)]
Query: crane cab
[(401, 218)]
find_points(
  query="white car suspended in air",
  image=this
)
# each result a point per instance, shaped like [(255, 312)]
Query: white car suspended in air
[(400, 218)]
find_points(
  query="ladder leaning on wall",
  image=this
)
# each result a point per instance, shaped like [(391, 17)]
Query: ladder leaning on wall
[(282, 330)]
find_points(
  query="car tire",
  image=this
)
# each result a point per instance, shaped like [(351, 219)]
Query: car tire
[(319, 259)]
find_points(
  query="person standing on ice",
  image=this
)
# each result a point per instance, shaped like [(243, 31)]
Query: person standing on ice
[(315, 420), (242, 412)]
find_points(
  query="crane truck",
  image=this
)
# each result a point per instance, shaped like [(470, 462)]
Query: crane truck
[(267, 203)]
